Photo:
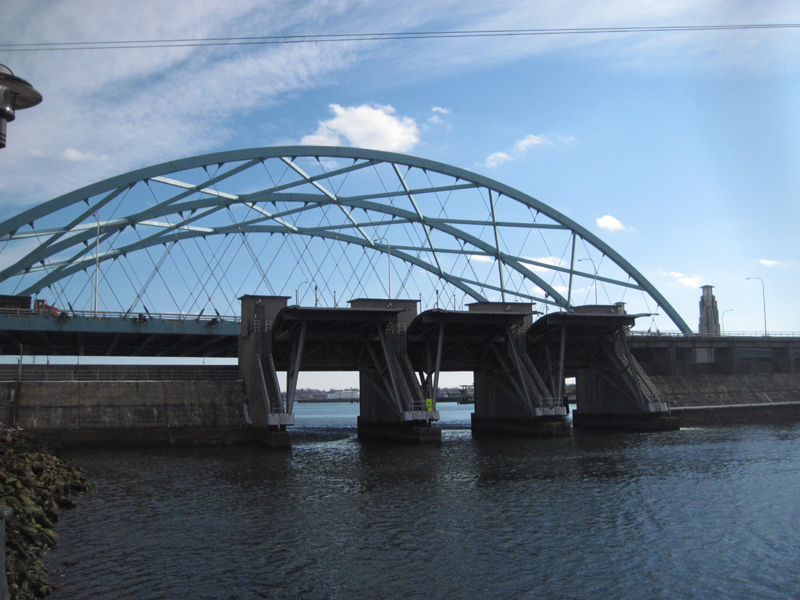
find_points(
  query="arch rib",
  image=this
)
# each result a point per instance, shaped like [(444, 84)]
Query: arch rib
[(211, 200)]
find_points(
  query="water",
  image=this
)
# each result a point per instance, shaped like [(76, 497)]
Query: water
[(700, 513)]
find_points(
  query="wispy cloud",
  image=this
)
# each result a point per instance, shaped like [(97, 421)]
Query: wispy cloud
[(481, 258), (610, 223), (74, 155), (681, 279), (498, 158), (769, 263), (521, 147), (531, 140), (544, 263), (561, 289), (138, 107), (366, 126)]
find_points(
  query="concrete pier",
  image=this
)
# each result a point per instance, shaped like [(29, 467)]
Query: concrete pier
[(612, 390), (510, 396), (545, 426), (394, 405)]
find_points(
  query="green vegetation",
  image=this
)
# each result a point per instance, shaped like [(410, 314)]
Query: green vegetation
[(35, 484)]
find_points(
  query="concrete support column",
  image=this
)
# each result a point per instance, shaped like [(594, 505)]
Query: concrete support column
[(511, 398), (393, 405), (265, 404)]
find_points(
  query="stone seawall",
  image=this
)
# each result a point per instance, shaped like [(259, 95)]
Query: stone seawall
[(727, 399), (116, 412)]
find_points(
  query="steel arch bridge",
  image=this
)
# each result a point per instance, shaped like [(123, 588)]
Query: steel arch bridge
[(190, 236)]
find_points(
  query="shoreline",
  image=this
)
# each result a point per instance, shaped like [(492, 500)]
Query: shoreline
[(35, 484)]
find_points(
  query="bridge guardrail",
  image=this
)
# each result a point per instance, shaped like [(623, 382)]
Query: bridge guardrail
[(118, 314), (781, 334), (32, 373)]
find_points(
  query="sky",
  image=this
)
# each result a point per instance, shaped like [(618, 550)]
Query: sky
[(679, 149)]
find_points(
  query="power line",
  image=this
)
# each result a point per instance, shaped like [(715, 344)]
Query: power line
[(369, 37)]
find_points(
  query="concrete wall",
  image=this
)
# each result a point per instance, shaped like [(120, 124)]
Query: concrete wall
[(728, 399), (715, 355), (122, 404), (84, 409), (719, 390)]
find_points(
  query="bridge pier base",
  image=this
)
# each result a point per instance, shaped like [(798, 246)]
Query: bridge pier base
[(273, 437), (544, 426), (658, 421), (406, 432)]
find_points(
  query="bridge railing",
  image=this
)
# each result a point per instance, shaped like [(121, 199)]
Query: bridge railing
[(31, 373), (781, 334), (55, 312)]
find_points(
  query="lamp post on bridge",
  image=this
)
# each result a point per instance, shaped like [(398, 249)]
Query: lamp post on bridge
[(763, 302), (96, 264), (723, 319), (297, 293), (388, 261)]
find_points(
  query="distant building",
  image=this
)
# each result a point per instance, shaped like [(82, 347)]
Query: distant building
[(343, 395), (709, 314)]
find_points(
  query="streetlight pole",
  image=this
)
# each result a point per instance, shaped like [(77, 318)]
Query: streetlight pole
[(388, 261), (763, 301), (297, 293), (595, 277), (723, 319), (96, 263)]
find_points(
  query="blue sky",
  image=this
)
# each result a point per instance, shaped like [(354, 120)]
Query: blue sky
[(680, 150)]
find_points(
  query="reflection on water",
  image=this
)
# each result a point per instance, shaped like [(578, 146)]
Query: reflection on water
[(697, 513)]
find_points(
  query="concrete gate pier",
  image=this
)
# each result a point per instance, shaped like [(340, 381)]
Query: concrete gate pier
[(612, 390), (268, 413), (511, 398), (394, 406)]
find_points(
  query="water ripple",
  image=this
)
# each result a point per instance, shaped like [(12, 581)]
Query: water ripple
[(693, 514)]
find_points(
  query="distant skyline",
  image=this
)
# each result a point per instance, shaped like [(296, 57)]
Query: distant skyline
[(679, 149)]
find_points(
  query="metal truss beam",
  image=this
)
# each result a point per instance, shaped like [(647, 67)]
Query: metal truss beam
[(185, 211)]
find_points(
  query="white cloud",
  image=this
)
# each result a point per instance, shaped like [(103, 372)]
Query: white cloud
[(73, 155), (521, 147), (690, 281), (694, 281), (610, 223), (547, 260), (768, 263), (140, 107), (531, 140), (366, 126), (481, 258), (497, 158), (435, 120), (561, 289)]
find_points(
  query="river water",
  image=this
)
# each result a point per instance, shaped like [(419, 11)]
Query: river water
[(699, 513)]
